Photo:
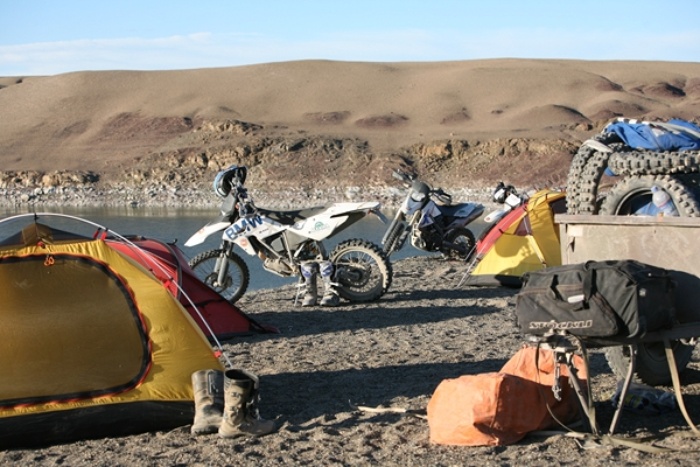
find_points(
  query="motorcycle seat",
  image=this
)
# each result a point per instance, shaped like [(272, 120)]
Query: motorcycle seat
[(290, 217), (453, 210), (450, 210)]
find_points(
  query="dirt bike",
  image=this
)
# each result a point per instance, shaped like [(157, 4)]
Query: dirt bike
[(284, 240), (432, 221), (509, 197)]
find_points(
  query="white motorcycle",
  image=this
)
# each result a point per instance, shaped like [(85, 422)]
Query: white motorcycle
[(434, 223), (284, 241)]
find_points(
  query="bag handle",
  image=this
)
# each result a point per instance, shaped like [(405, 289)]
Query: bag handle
[(588, 281), (575, 300)]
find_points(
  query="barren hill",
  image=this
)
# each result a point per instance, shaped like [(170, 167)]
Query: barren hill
[(320, 124)]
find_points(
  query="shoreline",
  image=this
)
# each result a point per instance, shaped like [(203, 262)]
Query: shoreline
[(178, 198)]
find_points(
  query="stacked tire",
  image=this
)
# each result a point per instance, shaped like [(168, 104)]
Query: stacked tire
[(607, 177), (631, 173)]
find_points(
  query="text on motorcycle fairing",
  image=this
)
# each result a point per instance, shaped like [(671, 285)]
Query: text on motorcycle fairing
[(243, 224)]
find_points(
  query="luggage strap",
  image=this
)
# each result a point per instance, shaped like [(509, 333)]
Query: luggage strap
[(564, 352)]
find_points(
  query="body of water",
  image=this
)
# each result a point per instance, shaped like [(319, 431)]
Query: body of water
[(177, 225)]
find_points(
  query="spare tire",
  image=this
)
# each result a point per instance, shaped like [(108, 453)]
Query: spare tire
[(636, 162), (631, 193), (586, 169)]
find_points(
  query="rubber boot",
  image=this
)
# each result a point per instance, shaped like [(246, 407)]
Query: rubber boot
[(208, 386), (240, 415), (330, 296), (309, 271)]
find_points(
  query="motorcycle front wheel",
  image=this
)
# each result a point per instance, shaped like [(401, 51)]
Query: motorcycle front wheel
[(237, 275), (362, 270)]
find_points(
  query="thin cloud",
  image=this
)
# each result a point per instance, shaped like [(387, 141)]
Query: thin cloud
[(204, 50)]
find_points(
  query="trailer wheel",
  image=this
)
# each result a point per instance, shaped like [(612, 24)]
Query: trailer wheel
[(628, 195), (651, 366)]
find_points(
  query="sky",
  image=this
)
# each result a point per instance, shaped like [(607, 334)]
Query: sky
[(48, 37)]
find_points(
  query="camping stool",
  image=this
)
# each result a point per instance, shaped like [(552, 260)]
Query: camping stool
[(564, 348)]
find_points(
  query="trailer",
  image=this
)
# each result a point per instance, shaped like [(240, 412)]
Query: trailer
[(666, 242)]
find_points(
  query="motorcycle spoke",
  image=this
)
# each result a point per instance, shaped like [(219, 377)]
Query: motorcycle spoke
[(235, 281), (363, 272)]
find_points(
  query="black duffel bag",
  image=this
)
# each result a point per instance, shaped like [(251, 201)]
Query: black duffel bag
[(622, 298)]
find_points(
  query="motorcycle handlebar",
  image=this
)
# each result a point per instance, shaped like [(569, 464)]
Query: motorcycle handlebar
[(403, 176), (245, 205), (409, 178), (442, 195)]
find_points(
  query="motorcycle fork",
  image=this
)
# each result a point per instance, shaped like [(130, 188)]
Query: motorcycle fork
[(221, 266)]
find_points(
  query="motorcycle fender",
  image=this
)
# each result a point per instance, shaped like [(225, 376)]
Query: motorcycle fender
[(495, 216), (203, 233), (380, 215), (410, 207), (341, 208)]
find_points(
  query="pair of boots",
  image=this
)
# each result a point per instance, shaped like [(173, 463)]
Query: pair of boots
[(309, 272), (225, 403)]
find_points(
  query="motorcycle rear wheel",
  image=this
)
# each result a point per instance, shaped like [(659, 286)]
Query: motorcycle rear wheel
[(237, 273), (362, 270), (465, 239)]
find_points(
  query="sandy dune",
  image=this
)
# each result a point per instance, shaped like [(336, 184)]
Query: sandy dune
[(79, 120)]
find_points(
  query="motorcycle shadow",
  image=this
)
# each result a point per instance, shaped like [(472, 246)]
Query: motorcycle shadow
[(477, 293), (409, 309)]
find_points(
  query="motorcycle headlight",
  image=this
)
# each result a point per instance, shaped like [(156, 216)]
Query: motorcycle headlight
[(419, 191)]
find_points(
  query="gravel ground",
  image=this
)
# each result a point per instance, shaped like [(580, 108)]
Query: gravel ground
[(390, 353)]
